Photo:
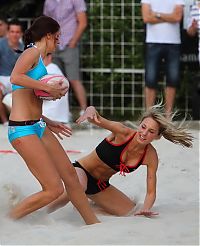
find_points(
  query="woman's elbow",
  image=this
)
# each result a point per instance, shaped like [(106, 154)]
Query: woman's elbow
[(13, 79)]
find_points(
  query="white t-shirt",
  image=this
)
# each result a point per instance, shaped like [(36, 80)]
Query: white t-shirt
[(166, 32), (56, 110)]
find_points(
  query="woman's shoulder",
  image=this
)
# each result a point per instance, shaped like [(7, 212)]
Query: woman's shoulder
[(151, 150), (125, 130), (30, 54), (31, 51), (151, 155)]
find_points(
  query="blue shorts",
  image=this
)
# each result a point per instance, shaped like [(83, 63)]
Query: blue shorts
[(17, 131), (155, 53)]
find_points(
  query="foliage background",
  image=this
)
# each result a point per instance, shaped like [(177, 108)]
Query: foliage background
[(33, 8)]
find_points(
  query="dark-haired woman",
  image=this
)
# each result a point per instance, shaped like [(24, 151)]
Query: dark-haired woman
[(31, 134)]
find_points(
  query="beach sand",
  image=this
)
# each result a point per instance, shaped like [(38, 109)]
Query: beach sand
[(177, 200)]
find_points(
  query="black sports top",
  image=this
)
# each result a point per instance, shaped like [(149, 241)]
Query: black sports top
[(111, 154)]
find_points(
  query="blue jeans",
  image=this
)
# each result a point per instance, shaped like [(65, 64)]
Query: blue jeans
[(155, 53)]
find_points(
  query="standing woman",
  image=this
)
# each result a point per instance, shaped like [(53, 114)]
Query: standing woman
[(30, 133)]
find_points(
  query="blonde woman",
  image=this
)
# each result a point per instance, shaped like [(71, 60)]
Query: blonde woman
[(124, 150)]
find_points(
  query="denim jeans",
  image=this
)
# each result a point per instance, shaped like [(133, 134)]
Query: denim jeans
[(155, 54)]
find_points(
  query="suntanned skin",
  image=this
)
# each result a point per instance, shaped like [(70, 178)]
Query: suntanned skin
[(54, 172), (111, 199)]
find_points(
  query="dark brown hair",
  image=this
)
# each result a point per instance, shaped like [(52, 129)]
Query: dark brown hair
[(39, 29)]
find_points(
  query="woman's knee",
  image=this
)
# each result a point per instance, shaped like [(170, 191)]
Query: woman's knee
[(55, 192)]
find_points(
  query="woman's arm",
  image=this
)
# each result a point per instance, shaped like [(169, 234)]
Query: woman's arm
[(58, 128), (28, 59), (95, 118), (151, 186)]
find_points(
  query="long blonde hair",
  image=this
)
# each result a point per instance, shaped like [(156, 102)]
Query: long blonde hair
[(171, 132)]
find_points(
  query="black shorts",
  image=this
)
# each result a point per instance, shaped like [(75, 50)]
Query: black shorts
[(93, 185)]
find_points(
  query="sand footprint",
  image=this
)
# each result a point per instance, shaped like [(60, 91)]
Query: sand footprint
[(14, 194)]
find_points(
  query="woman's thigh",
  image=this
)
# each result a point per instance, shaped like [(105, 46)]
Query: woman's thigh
[(37, 159), (113, 201), (59, 156)]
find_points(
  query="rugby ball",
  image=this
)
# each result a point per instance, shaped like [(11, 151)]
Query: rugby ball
[(50, 79)]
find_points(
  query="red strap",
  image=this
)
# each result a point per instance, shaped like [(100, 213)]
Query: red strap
[(123, 169), (101, 184)]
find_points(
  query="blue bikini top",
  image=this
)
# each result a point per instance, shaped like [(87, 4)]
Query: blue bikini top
[(35, 73)]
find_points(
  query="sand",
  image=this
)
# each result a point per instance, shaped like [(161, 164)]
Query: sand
[(177, 201)]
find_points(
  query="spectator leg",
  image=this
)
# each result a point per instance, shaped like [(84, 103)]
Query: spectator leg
[(170, 93), (150, 96)]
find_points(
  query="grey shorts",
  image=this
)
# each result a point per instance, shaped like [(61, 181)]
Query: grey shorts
[(68, 61)]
